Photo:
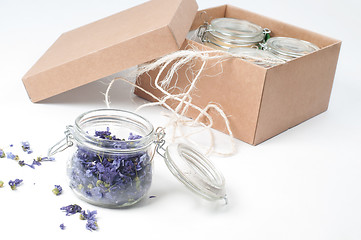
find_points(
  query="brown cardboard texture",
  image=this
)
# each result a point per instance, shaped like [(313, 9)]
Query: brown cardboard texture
[(109, 45), (260, 103)]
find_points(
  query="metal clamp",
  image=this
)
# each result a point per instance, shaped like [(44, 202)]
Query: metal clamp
[(201, 32), (62, 144), (267, 35), (160, 142), (266, 31)]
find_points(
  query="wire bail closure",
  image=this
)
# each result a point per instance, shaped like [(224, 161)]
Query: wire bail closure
[(62, 144), (201, 32), (160, 142)]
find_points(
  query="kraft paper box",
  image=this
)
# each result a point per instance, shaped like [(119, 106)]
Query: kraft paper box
[(260, 102), (110, 45)]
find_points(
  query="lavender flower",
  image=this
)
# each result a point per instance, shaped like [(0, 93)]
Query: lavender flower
[(12, 156), (105, 135), (91, 225), (2, 153), (62, 226), (36, 163), (57, 190), (71, 209), (90, 216), (134, 137), (14, 184), (26, 147)]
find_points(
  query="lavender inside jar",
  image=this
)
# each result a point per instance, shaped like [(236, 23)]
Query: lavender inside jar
[(111, 161)]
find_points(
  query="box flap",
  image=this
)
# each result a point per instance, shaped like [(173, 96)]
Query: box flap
[(109, 45)]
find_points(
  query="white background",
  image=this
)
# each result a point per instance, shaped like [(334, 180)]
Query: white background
[(302, 184)]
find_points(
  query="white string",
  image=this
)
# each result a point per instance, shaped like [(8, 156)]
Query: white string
[(177, 117)]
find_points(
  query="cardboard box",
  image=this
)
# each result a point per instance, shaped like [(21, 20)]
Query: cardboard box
[(260, 102), (107, 46)]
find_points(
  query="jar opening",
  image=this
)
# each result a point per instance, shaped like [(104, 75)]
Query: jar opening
[(118, 123)]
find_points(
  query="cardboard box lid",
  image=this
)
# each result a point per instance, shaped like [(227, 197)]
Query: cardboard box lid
[(109, 45)]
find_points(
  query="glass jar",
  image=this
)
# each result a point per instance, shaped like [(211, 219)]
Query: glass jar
[(289, 48), (109, 170), (259, 57), (225, 33)]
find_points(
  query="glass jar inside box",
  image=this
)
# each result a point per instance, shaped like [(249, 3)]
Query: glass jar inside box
[(111, 159), (225, 33), (262, 58), (289, 48)]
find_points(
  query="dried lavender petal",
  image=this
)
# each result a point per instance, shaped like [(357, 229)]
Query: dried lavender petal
[(26, 147), (36, 163), (71, 209), (91, 225), (12, 156)]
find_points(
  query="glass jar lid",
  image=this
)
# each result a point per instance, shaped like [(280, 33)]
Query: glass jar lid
[(291, 47), (227, 43), (235, 28), (227, 33), (195, 171), (257, 56)]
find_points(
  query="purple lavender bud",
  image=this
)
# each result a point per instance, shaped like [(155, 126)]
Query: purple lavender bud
[(91, 225), (12, 156), (36, 163), (71, 209), (14, 184), (26, 147), (2, 153), (57, 190), (134, 137)]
